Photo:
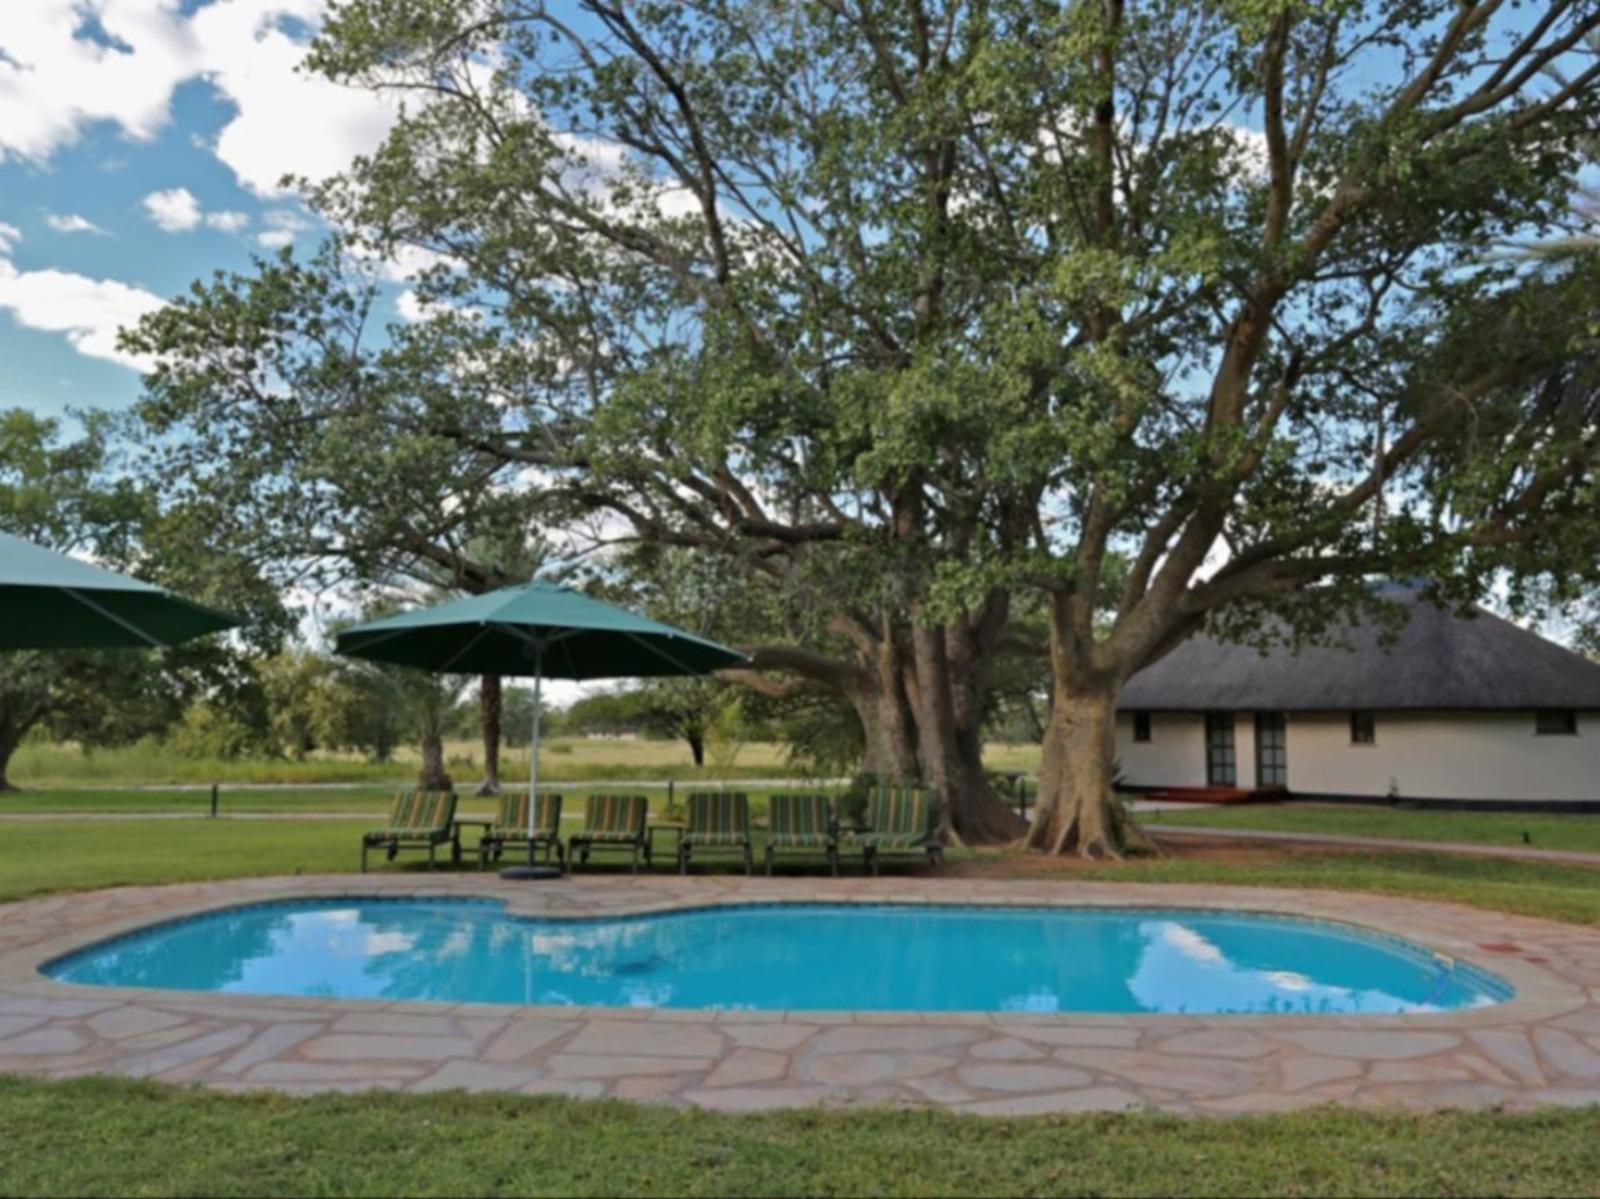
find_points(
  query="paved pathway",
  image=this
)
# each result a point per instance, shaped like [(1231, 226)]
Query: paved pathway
[(1541, 1047), (1339, 840)]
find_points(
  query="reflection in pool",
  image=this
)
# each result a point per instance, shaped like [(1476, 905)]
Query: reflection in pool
[(793, 956)]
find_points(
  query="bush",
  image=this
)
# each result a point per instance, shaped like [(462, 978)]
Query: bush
[(205, 732)]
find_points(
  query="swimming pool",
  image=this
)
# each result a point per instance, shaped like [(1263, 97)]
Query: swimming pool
[(811, 957)]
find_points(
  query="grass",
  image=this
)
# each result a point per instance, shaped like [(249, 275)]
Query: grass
[(41, 764), (38, 857), (1577, 831), (104, 1136), (114, 1137), (367, 800)]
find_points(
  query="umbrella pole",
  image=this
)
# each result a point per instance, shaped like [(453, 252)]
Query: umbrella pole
[(533, 745)]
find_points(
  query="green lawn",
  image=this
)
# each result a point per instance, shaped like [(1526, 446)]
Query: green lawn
[(1553, 831), (48, 855), (111, 1137)]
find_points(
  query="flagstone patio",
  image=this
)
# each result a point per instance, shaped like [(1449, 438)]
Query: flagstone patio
[(1541, 1047)]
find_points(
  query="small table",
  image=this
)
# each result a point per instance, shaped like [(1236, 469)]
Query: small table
[(674, 827), (483, 826)]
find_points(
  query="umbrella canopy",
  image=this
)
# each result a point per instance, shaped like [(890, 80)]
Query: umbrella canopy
[(53, 601), (536, 629)]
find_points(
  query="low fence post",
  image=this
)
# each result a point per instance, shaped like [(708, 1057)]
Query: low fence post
[(215, 787)]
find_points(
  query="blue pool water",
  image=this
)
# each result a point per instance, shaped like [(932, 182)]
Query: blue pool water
[(792, 956)]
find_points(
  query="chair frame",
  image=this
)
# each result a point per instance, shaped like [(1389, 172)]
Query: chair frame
[(393, 839), (930, 845), (830, 847), (581, 844), (745, 847), (495, 839)]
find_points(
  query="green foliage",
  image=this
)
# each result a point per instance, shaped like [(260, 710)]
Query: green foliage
[(1163, 313), (77, 495), (207, 732), (726, 736)]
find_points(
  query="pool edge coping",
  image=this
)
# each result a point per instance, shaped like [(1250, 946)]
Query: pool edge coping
[(1537, 993)]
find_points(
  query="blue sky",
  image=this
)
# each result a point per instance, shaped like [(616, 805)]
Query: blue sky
[(141, 146)]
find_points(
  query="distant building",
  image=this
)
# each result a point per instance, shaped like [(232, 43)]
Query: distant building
[(1463, 712)]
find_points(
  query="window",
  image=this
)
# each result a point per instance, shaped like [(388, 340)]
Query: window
[(1272, 750), (1141, 726), (1363, 728), (1555, 722), (1220, 765)]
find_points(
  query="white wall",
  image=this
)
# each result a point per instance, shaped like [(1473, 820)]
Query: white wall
[(1445, 755), (1175, 755), (1425, 755)]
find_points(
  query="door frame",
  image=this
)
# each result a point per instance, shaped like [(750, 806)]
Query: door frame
[(1278, 724), (1222, 749)]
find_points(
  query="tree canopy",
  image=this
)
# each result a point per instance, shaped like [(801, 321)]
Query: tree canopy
[(1144, 314)]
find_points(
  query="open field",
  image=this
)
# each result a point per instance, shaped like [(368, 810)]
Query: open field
[(362, 798), (560, 759), (1578, 831), (112, 1137)]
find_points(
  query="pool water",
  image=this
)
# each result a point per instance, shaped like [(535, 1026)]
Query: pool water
[(792, 956)]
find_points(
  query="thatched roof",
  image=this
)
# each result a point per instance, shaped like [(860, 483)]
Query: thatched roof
[(1439, 661)]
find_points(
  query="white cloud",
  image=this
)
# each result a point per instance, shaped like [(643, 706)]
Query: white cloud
[(10, 235), (175, 210), (227, 220), (56, 83), (283, 225), (87, 311), (71, 222)]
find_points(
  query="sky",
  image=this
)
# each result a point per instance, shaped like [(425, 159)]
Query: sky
[(143, 144)]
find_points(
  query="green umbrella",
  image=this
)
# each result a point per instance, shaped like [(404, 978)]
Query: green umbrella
[(540, 630), (52, 601)]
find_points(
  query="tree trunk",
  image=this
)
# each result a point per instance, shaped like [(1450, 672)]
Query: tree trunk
[(19, 712), (489, 700), (971, 813), (1075, 813), (888, 721), (697, 747), (8, 746), (432, 776)]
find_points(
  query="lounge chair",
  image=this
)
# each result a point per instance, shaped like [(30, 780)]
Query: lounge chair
[(612, 822), (802, 822), (510, 827), (418, 820), (718, 820), (900, 821)]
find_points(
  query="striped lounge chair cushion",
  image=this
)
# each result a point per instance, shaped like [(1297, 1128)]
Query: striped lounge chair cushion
[(614, 818), (901, 818), (800, 820), (512, 818), (718, 818), (419, 814)]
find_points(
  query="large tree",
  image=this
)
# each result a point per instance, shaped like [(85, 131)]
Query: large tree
[(1165, 312)]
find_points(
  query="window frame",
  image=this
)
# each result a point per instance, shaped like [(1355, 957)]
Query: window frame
[(1367, 717), (1568, 718), (1222, 752), (1143, 730)]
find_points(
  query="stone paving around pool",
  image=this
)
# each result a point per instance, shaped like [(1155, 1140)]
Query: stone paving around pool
[(1542, 1047)]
